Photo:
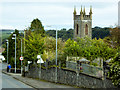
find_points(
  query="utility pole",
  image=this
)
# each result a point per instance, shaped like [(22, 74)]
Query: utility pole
[(15, 53), (56, 55), (7, 50), (15, 50), (21, 55), (24, 40)]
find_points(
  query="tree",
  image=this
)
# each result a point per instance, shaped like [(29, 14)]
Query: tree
[(115, 36), (71, 48), (63, 33), (11, 53), (114, 73), (37, 27), (91, 49), (34, 46), (99, 32), (50, 47)]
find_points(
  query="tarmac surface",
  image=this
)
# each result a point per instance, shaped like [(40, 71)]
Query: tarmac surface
[(10, 82)]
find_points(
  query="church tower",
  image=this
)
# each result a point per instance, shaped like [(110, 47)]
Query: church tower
[(82, 24)]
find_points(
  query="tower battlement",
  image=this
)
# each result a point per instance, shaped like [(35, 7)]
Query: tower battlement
[(83, 13), (86, 17)]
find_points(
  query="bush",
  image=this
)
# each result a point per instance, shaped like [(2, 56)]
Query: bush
[(114, 72)]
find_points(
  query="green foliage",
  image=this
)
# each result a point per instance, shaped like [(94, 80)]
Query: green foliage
[(37, 27), (51, 33), (94, 64), (62, 59), (91, 49), (34, 41), (97, 32), (50, 47), (44, 46), (63, 33), (11, 50), (4, 35), (50, 44), (34, 46), (115, 36), (114, 73), (71, 48)]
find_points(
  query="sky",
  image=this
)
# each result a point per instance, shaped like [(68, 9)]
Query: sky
[(18, 14)]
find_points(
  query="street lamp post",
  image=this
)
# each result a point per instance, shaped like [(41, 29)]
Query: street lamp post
[(56, 55), (21, 52), (15, 50), (21, 55), (24, 40), (7, 50)]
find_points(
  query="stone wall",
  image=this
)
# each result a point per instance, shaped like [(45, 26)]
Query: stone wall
[(69, 77), (48, 74), (86, 68)]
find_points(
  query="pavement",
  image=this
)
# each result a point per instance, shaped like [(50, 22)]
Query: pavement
[(36, 83)]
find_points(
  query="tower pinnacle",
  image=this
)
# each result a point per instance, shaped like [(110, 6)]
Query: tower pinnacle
[(74, 10), (84, 11), (90, 13), (81, 10), (90, 10)]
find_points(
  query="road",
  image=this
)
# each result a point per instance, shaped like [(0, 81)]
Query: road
[(9, 81)]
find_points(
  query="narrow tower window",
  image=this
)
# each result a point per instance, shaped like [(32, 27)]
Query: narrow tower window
[(77, 30), (86, 29)]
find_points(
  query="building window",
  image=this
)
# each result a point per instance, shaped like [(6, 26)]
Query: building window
[(86, 29), (77, 30)]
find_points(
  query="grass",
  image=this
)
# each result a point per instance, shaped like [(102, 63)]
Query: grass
[(6, 34)]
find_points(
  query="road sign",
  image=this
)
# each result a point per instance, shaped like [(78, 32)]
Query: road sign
[(21, 58)]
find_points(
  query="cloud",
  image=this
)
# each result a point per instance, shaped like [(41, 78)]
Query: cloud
[(59, 0), (106, 16), (50, 14), (6, 27), (19, 13)]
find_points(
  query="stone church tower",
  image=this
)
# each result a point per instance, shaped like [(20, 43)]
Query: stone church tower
[(82, 24)]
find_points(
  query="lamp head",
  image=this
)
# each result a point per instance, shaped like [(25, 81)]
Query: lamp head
[(13, 38), (38, 56), (14, 34)]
